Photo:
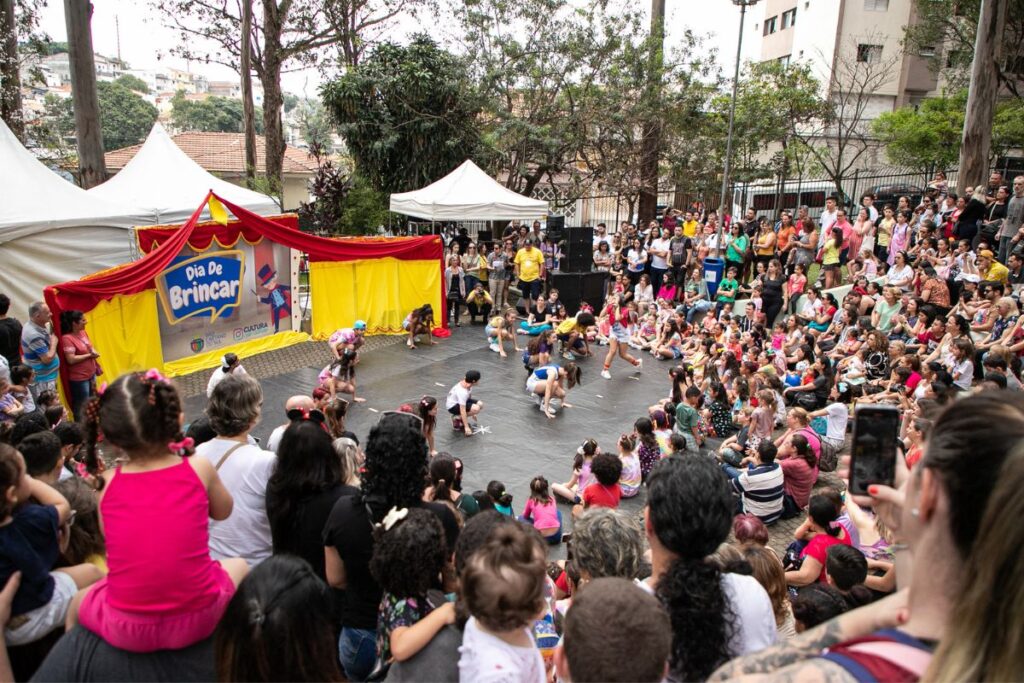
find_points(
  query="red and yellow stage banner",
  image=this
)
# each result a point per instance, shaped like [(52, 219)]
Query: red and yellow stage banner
[(219, 274)]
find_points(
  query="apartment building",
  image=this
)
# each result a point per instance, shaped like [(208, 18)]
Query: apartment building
[(827, 33)]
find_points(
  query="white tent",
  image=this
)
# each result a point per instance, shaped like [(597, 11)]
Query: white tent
[(164, 180), (52, 231), (467, 193)]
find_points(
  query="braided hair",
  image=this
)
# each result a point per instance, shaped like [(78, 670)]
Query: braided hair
[(138, 412)]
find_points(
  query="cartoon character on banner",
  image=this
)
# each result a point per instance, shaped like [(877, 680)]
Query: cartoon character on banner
[(278, 296)]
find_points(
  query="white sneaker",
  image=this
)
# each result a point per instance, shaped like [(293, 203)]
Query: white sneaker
[(639, 364), (537, 399), (495, 348), (606, 374)]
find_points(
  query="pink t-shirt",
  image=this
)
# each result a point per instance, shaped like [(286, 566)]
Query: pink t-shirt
[(544, 515), (818, 549)]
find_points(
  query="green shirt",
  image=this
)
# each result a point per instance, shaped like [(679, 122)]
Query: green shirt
[(737, 248), (686, 418), (727, 290)]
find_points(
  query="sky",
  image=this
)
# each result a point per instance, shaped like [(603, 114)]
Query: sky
[(145, 42)]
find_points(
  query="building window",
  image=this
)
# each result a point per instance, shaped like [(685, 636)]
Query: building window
[(784, 60), (788, 18), (927, 51), (769, 26), (876, 5), (869, 54)]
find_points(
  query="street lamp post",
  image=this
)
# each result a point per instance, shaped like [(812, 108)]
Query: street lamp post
[(743, 5)]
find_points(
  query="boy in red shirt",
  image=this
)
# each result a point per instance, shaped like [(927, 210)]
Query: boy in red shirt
[(605, 491)]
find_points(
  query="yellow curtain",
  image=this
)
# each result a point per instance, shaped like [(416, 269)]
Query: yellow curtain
[(378, 291), (125, 331), (211, 359)]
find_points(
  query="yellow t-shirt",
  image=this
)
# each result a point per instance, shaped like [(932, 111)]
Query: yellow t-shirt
[(529, 261), (690, 228), (997, 272), (830, 257), (566, 326)]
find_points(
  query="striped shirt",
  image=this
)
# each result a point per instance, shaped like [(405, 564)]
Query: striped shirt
[(761, 489)]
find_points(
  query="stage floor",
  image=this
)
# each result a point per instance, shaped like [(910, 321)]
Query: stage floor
[(517, 441)]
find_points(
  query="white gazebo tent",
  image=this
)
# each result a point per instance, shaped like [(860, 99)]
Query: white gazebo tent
[(467, 194), (167, 182), (52, 231)]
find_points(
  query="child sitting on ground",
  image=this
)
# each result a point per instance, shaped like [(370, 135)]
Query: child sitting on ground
[(501, 498), (407, 561), (846, 569), (581, 474), (542, 511), (163, 592), (631, 477), (28, 544), (503, 588), (604, 491)]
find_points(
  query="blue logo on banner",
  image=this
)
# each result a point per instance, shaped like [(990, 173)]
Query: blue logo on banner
[(208, 285)]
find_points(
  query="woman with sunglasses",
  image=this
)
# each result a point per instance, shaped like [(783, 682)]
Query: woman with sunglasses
[(547, 382)]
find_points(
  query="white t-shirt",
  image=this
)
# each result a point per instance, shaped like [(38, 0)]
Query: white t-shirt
[(275, 438), (836, 417), (458, 396), (828, 219), (218, 375), (488, 659), (246, 533), (598, 239), (660, 244), (755, 619)]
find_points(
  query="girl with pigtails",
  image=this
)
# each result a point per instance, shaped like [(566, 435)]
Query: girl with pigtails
[(163, 590)]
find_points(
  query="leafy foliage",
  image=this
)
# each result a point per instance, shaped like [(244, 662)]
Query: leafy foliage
[(213, 114), (328, 189), (315, 124), (133, 83), (125, 117), (407, 113)]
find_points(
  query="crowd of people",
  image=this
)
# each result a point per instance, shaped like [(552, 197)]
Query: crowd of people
[(168, 546)]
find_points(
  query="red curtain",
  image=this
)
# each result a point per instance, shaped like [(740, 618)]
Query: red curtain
[(205, 232)]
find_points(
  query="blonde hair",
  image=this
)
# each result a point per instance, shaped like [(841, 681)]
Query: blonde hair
[(769, 572), (985, 638)]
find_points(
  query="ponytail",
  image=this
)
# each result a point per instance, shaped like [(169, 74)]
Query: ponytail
[(702, 617)]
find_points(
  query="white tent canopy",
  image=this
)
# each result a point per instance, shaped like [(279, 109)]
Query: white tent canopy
[(169, 184), (52, 231), (467, 193)]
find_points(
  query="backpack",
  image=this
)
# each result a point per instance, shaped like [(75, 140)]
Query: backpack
[(829, 459)]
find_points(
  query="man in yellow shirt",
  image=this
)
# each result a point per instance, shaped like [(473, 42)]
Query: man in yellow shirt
[(529, 268), (690, 226), (991, 270)]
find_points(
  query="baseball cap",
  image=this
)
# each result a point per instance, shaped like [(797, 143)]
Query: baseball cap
[(986, 253), (360, 325)]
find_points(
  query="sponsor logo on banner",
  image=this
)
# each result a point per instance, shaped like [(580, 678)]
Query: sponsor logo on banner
[(250, 331), (197, 344), (208, 285)]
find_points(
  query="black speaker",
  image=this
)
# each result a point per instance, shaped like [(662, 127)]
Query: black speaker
[(484, 237), (578, 250), (574, 288), (580, 238)]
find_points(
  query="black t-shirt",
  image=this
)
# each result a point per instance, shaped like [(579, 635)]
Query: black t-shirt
[(771, 290), (10, 341), (81, 655), (678, 248), (821, 388), (303, 535), (349, 531)]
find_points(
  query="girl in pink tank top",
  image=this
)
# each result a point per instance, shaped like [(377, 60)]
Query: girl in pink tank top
[(163, 590)]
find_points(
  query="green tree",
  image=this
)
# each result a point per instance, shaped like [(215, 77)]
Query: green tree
[(944, 31), (212, 114), (125, 117), (315, 124), (365, 208), (407, 113), (133, 83), (929, 135)]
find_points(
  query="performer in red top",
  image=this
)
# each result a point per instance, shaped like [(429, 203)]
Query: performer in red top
[(621, 319)]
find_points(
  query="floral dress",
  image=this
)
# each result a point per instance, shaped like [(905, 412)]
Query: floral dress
[(395, 613)]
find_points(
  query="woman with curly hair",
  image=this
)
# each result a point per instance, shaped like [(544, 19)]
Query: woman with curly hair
[(394, 476), (715, 616)]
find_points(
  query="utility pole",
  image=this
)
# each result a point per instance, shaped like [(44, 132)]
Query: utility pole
[(10, 78), (651, 143), (976, 144), (91, 165), (248, 110)]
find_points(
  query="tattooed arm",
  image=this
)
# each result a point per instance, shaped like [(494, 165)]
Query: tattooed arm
[(795, 659)]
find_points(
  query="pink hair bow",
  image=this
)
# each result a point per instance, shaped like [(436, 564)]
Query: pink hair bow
[(185, 444), (155, 375), (81, 470)]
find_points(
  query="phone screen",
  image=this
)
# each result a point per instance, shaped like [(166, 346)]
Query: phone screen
[(873, 457)]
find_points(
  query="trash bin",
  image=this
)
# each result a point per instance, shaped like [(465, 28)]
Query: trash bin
[(714, 268)]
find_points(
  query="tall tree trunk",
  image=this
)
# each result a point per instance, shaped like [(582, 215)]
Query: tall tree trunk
[(91, 164), (976, 144), (10, 79), (248, 110), (273, 99), (650, 151)]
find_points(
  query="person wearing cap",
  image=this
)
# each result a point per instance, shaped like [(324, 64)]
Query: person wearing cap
[(991, 270), (230, 364), (347, 338)]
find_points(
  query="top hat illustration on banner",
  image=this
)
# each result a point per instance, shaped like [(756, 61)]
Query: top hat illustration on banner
[(266, 274)]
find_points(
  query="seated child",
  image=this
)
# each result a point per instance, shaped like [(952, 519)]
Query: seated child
[(28, 544), (604, 491), (542, 511), (503, 584)]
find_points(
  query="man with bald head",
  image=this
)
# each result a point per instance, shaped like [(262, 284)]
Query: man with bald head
[(292, 403)]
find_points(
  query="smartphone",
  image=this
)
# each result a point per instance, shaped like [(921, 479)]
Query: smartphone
[(873, 455)]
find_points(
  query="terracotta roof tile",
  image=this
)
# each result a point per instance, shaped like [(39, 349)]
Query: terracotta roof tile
[(221, 153)]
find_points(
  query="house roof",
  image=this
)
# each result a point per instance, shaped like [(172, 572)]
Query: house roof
[(222, 153)]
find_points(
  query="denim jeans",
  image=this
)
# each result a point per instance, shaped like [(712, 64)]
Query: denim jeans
[(702, 306), (81, 390), (357, 651), (1005, 245)]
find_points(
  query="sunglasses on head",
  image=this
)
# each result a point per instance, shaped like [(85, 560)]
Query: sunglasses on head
[(390, 414)]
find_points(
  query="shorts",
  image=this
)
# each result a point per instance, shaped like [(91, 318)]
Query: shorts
[(489, 331), (405, 325), (148, 632), (454, 410), (818, 327), (677, 352), (621, 333), (38, 386), (831, 267), (532, 381), (33, 625), (531, 289)]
